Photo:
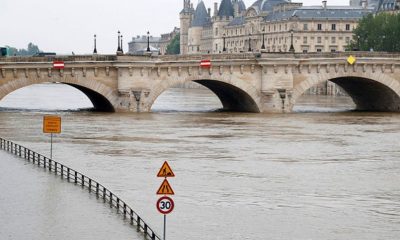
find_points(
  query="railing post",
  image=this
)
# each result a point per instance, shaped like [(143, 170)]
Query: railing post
[(104, 194), (49, 163), (145, 229), (124, 210), (20, 153), (131, 216), (117, 204), (111, 199), (83, 180), (76, 177), (44, 162), (97, 189), (68, 169), (138, 223), (153, 236), (62, 171), (90, 184)]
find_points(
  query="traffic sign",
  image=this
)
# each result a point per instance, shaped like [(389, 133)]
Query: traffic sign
[(351, 60), (165, 189), (205, 63), (165, 205), (165, 171), (51, 124), (58, 65)]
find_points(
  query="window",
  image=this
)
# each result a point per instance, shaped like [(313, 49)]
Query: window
[(333, 27), (333, 39), (347, 27), (319, 26), (305, 40), (305, 27), (319, 40), (319, 50)]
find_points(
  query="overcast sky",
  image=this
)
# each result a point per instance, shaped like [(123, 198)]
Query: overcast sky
[(69, 25)]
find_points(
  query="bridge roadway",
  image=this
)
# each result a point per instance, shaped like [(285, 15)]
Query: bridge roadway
[(243, 82)]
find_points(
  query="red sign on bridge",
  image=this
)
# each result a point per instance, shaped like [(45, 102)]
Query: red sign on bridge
[(205, 63), (58, 65)]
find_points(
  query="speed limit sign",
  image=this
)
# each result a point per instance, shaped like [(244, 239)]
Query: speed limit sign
[(165, 205)]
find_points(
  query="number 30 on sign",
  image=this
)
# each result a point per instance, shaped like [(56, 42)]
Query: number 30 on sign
[(165, 205)]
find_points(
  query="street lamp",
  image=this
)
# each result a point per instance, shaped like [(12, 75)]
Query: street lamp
[(148, 41), (224, 48), (263, 43), (358, 42), (119, 41), (291, 49), (122, 46), (95, 45), (249, 42)]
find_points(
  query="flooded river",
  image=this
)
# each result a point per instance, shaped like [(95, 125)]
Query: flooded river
[(323, 172)]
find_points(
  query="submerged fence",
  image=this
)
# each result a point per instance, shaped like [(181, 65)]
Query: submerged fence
[(79, 179)]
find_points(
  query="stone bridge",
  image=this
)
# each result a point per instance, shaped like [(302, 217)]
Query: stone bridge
[(243, 82)]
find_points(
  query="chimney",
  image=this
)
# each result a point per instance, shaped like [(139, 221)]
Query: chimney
[(324, 4), (209, 12), (236, 9), (215, 9)]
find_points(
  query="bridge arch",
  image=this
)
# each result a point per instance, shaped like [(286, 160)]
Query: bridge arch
[(235, 95), (370, 92), (101, 96)]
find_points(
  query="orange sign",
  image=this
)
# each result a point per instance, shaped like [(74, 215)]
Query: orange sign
[(52, 124), (165, 189), (165, 171)]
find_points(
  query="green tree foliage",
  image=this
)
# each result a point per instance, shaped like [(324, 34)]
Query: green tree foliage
[(174, 47), (31, 50), (379, 33)]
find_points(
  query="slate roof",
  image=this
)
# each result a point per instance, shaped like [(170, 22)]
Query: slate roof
[(226, 9), (242, 6), (318, 12), (201, 17), (237, 21), (267, 5)]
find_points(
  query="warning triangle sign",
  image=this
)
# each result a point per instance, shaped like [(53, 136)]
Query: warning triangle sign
[(165, 171), (165, 189)]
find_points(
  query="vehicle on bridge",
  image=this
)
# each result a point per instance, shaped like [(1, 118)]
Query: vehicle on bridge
[(44, 54), (4, 51)]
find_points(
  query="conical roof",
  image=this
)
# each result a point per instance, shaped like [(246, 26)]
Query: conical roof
[(226, 9), (242, 6), (201, 17)]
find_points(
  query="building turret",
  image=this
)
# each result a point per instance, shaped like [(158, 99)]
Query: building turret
[(186, 16)]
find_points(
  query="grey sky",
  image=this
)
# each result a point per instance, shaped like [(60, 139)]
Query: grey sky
[(69, 25)]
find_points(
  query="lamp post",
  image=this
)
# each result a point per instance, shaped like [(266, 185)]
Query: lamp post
[(291, 49), (119, 41), (122, 46), (224, 48), (249, 42), (263, 35), (358, 42), (148, 41), (383, 44), (95, 45)]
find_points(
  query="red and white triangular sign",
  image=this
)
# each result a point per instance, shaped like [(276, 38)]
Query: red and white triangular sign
[(165, 171)]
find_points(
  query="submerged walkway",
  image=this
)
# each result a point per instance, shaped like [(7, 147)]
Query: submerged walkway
[(85, 182)]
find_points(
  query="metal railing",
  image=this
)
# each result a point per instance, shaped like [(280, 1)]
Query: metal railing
[(78, 178)]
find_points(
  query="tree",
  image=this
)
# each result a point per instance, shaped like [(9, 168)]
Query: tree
[(31, 50), (174, 47), (377, 32)]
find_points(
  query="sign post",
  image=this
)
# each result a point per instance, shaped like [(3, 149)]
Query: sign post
[(51, 124), (165, 204)]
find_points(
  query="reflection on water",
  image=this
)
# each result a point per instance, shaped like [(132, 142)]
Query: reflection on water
[(314, 174)]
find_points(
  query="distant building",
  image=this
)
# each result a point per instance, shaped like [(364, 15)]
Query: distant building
[(158, 45), (268, 26)]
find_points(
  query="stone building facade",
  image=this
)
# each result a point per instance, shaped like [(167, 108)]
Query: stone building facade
[(268, 26), (158, 45)]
